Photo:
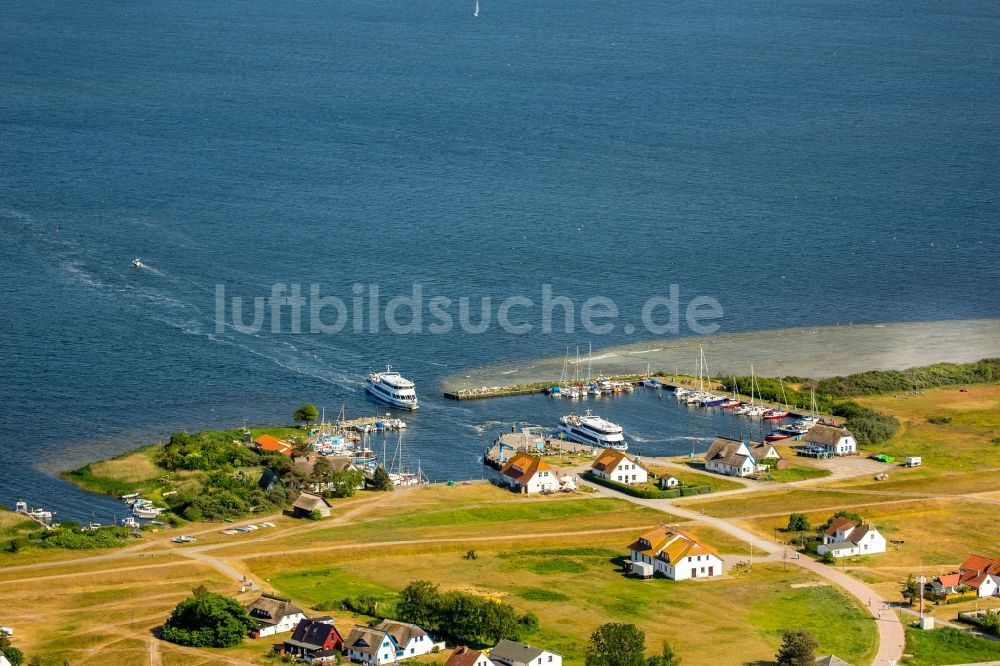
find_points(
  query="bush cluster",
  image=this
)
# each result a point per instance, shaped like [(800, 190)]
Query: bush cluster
[(228, 494), (889, 381), (75, 537), (464, 617), (867, 425), (205, 450), (206, 619)]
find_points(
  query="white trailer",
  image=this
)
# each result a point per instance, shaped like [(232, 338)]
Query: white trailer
[(913, 461)]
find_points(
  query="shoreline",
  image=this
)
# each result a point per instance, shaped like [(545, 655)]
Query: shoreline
[(814, 352)]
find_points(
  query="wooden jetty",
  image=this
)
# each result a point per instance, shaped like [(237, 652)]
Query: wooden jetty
[(40, 516)]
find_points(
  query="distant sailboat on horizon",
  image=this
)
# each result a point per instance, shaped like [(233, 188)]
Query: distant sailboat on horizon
[(476, 12)]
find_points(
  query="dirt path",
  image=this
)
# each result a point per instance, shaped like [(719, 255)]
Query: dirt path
[(890, 629)]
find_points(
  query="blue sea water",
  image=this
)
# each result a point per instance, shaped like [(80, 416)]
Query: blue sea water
[(801, 162)]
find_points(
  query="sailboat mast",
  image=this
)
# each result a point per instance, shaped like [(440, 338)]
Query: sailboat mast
[(590, 352)]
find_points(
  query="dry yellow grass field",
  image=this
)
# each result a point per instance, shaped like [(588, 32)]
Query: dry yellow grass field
[(129, 469), (103, 608)]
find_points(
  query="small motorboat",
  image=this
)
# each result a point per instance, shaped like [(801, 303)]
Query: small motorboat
[(137, 263)]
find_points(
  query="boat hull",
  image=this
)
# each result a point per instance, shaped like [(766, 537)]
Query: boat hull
[(573, 434), (375, 392)]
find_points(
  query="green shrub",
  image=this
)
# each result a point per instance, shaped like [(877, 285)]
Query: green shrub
[(13, 654), (74, 537), (888, 381), (867, 425), (210, 450), (206, 619), (959, 598), (939, 420)]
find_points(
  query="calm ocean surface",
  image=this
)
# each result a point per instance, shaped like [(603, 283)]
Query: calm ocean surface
[(804, 163)]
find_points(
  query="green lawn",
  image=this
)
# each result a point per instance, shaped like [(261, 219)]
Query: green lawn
[(499, 518), (947, 646), (798, 474), (576, 587), (775, 501)]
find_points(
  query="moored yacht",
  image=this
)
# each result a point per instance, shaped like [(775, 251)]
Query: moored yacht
[(392, 388), (590, 429)]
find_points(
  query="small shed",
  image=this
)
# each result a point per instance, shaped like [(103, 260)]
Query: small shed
[(307, 503), (642, 570), (667, 482)]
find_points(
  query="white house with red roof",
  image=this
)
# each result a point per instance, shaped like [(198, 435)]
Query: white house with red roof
[(530, 474), (466, 656), (981, 574), (846, 538), (271, 444), (676, 554), (614, 465)]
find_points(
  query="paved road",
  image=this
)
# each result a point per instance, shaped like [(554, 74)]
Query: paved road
[(890, 629)]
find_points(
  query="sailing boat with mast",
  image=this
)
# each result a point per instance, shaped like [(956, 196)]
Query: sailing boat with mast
[(709, 399), (397, 468), (779, 413), (752, 409), (734, 401), (475, 13)]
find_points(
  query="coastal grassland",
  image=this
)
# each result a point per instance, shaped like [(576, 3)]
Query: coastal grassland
[(574, 585), (503, 520), (951, 428), (135, 471), (778, 501), (936, 533), (84, 612), (798, 473), (13, 525), (947, 646)]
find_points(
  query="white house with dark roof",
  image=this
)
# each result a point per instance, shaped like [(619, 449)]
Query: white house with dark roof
[(370, 646), (388, 641), (846, 538), (614, 465), (834, 440), (274, 615), (512, 653), (734, 457)]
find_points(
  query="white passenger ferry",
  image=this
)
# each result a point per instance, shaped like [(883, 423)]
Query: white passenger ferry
[(590, 429), (392, 388)]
